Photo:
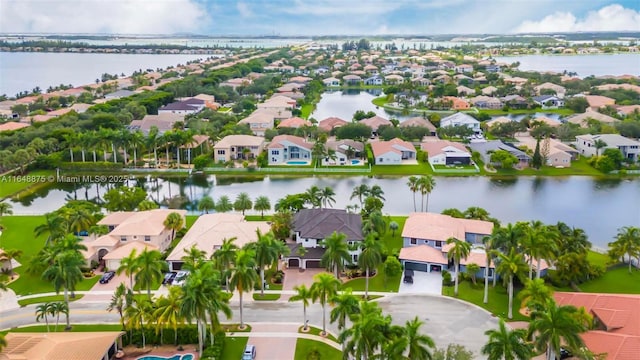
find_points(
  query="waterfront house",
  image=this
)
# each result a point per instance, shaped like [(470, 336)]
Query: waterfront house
[(312, 226), (586, 145), (419, 122), (294, 122), (444, 152), (331, 123), (457, 103), (375, 122), (351, 80), (487, 147), (548, 101), (343, 152), (486, 102), (559, 91), (90, 345), (331, 82), (374, 80), (211, 230), (234, 147), (558, 155), (461, 119), (393, 152), (286, 148)]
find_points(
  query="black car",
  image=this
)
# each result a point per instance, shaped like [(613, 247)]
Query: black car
[(107, 276), (564, 353), (168, 278), (408, 277)]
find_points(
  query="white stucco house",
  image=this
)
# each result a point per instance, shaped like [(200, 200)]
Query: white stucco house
[(461, 119), (284, 149), (393, 152)]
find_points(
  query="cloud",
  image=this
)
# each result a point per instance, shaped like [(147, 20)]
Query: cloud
[(613, 17), (244, 9), (102, 16)]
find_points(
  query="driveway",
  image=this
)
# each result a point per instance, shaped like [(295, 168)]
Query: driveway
[(295, 277), (423, 283), (276, 347)]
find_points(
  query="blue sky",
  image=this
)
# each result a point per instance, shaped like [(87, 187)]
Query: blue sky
[(317, 17)]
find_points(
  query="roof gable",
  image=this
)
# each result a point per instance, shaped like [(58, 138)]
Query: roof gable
[(321, 223)]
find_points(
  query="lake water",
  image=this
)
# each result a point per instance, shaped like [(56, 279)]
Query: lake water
[(584, 65), (25, 71), (599, 207), (344, 104)]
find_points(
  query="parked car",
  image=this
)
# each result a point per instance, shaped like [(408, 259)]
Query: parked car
[(249, 352), (107, 276), (408, 277), (168, 278), (180, 278), (564, 354)]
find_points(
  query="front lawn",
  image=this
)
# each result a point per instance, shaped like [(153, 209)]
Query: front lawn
[(266, 297), (234, 347), (44, 299), (376, 283), (498, 298), (312, 330), (615, 281), (310, 349)]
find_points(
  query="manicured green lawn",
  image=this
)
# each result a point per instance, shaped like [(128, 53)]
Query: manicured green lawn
[(10, 186), (376, 283), (306, 110), (379, 101), (44, 299), (323, 351), (234, 347), (420, 169), (615, 281), (596, 258), (393, 241), (578, 167), (75, 328), (266, 297), (316, 331), (190, 220), (498, 298)]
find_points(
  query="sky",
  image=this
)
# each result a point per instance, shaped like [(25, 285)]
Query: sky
[(317, 17)]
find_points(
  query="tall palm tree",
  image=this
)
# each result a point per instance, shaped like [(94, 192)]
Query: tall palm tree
[(324, 288), (54, 227), (262, 204), (327, 197), (627, 243), (224, 204), (345, 305), (368, 333), (459, 250), (8, 255), (243, 275), (43, 311), (426, 183), (370, 258), (535, 294), (151, 267), (225, 256), (376, 192), (140, 311), (537, 243), (129, 265), (119, 301), (175, 222), (488, 251), (5, 208), (193, 258), (599, 144), (58, 308), (206, 204), (65, 273), (313, 196), (303, 294), (243, 202), (167, 312), (151, 143), (419, 344), (511, 265), (506, 238), (414, 186), (361, 191), (507, 344), (336, 253), (266, 252), (556, 325), (136, 140)]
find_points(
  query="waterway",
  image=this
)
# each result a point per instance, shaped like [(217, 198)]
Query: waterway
[(599, 207), (583, 65), (344, 104)]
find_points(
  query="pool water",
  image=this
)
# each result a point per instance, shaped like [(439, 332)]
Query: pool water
[(296, 163), (174, 357), (355, 162)]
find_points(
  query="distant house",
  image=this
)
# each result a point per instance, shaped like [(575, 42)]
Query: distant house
[(629, 148), (557, 155), (548, 101), (393, 152), (119, 94), (95, 345), (351, 80), (545, 120), (331, 82), (419, 122), (394, 79), (463, 90), (464, 68), (493, 68), (163, 122), (190, 106), (262, 119), (11, 126), (374, 80), (284, 148), (598, 101), (374, 123), (457, 103), (461, 119), (486, 102), (486, 148), (312, 226), (444, 152), (294, 122), (584, 118), (489, 90), (234, 147), (331, 123), (278, 103), (235, 83), (560, 91), (343, 151)]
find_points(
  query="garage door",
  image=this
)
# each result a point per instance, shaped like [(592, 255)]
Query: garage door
[(313, 264), (294, 263), (415, 266)]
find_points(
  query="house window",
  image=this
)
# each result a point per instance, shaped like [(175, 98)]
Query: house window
[(147, 238), (111, 227), (221, 152), (438, 244), (217, 247), (123, 238), (275, 152), (355, 258), (414, 241)]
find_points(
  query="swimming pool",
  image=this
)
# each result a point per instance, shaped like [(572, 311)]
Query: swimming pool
[(174, 357), (297, 162), (355, 162)]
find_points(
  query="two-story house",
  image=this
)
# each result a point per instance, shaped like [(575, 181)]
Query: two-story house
[(461, 119), (289, 149), (586, 145), (263, 119), (234, 147), (343, 152)]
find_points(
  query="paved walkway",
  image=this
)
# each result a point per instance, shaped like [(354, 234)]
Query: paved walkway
[(278, 341)]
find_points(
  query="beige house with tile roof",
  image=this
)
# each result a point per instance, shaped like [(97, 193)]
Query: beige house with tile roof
[(232, 147), (375, 122), (559, 154), (210, 230), (294, 122), (393, 152), (102, 345), (584, 118), (331, 123)]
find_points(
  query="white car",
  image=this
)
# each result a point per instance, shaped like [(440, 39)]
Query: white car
[(180, 278)]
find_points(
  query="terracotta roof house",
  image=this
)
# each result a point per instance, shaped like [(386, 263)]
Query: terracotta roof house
[(559, 90), (584, 118), (352, 79), (262, 119), (331, 123), (290, 87), (289, 149), (393, 152), (444, 152), (312, 226), (419, 122), (487, 147), (164, 122), (294, 122), (11, 126), (129, 230), (210, 230), (560, 155), (624, 110), (463, 90), (457, 103), (300, 79), (423, 258), (498, 120), (547, 121), (99, 345), (461, 119), (331, 81), (617, 318), (598, 101), (345, 152), (375, 122), (629, 148), (234, 147)]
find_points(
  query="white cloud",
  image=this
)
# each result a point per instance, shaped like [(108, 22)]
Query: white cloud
[(102, 16), (609, 18), (244, 9)]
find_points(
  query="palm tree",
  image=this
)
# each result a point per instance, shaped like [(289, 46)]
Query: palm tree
[(488, 251), (537, 244), (174, 222), (151, 143), (419, 344), (5, 208), (376, 192), (599, 144), (336, 253), (510, 266), (119, 302), (53, 227), (324, 288), (345, 304), (627, 243), (459, 250), (140, 311), (370, 258), (167, 312), (136, 140), (65, 273), (8, 255), (303, 294), (313, 196), (3, 342), (369, 332), (361, 191), (426, 183), (266, 252), (262, 204), (243, 275), (43, 311), (477, 213), (129, 265), (414, 186), (206, 204), (225, 256), (151, 266), (327, 197), (224, 204), (507, 344), (192, 258), (58, 308), (243, 202), (556, 325)]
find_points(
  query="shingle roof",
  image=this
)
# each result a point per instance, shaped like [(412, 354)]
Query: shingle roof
[(320, 223)]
